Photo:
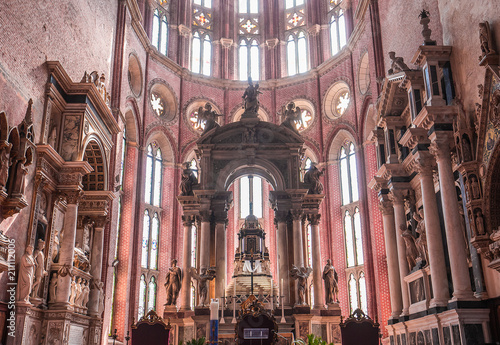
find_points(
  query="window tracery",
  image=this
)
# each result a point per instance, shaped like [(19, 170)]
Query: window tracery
[(245, 189), (248, 47), (338, 32), (296, 44), (201, 47), (159, 34), (157, 104)]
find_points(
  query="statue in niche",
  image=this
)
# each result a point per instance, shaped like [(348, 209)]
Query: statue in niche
[(421, 241), (5, 163), (72, 294), (21, 170), (80, 259), (188, 180), (87, 228), (53, 287), (78, 293), (397, 64), (55, 247), (467, 190), (250, 97), (26, 275), (53, 137), (40, 271), (292, 116), (301, 274), (173, 283), (331, 287), (480, 223), (412, 252), (85, 293), (202, 280), (466, 150), (486, 40), (209, 116), (476, 192), (311, 178)]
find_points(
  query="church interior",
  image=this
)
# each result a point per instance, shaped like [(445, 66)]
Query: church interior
[(199, 163)]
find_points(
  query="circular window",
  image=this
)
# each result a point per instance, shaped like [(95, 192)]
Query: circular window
[(304, 112), (192, 111), (134, 75), (197, 123), (364, 74), (337, 100), (162, 101)]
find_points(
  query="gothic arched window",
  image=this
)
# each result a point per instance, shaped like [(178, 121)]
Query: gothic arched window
[(150, 235), (338, 33), (250, 185), (153, 175), (159, 35), (142, 297), (152, 294), (296, 53), (201, 53), (348, 174), (353, 294), (363, 303), (249, 59)]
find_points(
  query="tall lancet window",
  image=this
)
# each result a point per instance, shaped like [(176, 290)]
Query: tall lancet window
[(296, 43), (159, 33), (142, 297), (250, 196), (248, 46), (201, 45), (151, 227), (338, 32), (352, 227)]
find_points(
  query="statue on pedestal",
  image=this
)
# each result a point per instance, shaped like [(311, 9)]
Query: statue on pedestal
[(331, 287), (85, 293), (311, 178), (173, 283), (209, 116), (292, 116), (250, 97), (412, 252), (202, 279), (53, 287), (397, 64), (26, 275), (188, 180), (301, 274), (72, 294), (40, 271), (421, 241)]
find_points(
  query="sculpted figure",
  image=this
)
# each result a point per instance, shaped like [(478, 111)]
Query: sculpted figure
[(188, 180), (85, 293), (78, 294), (5, 163), (40, 271), (26, 275), (209, 116), (292, 117), (301, 274), (72, 295), (53, 137), (18, 183), (486, 40), (250, 97), (173, 283), (480, 223), (421, 241), (397, 64), (202, 279), (311, 178), (53, 287), (55, 247), (476, 193), (411, 249), (331, 287)]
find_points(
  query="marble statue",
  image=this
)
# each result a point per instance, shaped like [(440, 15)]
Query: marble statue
[(476, 193), (40, 271), (79, 292), (486, 40), (26, 275), (301, 274), (188, 180), (173, 283), (397, 64), (480, 223), (421, 241), (80, 259), (202, 279), (412, 252), (331, 287), (56, 246), (311, 178), (87, 228), (250, 97), (85, 293), (209, 116), (18, 183), (292, 116), (53, 287), (72, 295)]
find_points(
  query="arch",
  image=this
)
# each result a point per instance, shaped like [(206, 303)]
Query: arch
[(337, 142), (261, 167), (167, 153), (130, 126), (4, 126), (336, 92), (134, 74), (15, 140), (97, 179)]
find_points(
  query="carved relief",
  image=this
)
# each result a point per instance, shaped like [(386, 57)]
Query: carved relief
[(485, 40), (71, 135)]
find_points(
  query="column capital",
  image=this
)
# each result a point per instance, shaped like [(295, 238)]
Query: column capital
[(296, 214), (280, 216), (424, 163), (386, 207), (314, 219), (100, 222), (73, 196), (397, 196), (439, 148), (206, 215), (188, 220)]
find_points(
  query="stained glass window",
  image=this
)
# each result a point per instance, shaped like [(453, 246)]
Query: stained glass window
[(159, 34), (155, 231), (353, 294), (152, 294), (152, 194), (296, 50), (249, 28), (349, 240), (338, 33), (249, 59), (348, 174), (201, 54), (363, 304), (149, 175), (145, 240), (357, 237), (142, 297)]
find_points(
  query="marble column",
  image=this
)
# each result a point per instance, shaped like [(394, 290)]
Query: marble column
[(397, 198), (452, 219), (220, 257), (96, 266), (298, 243), (205, 240), (282, 250), (319, 299), (391, 250), (187, 222), (433, 231), (67, 250)]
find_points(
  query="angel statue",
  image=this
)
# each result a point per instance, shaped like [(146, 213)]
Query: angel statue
[(292, 116), (202, 279), (173, 283), (331, 287), (301, 274), (208, 116)]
